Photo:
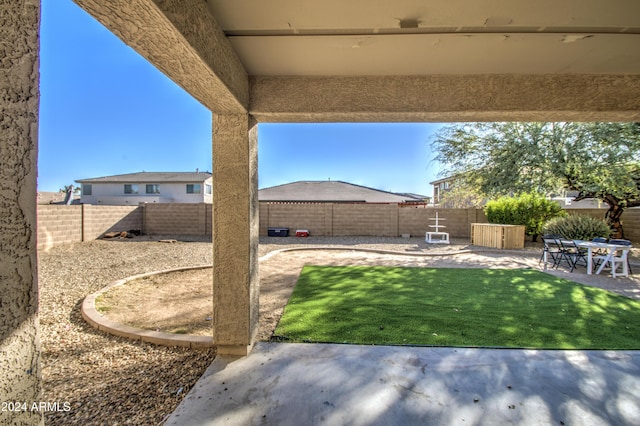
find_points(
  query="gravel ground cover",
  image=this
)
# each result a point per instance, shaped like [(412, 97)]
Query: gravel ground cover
[(114, 381), (109, 380)]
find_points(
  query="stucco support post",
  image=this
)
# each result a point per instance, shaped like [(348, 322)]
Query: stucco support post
[(235, 233), (19, 98)]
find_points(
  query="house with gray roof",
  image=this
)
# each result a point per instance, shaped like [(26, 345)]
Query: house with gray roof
[(147, 187), (333, 192)]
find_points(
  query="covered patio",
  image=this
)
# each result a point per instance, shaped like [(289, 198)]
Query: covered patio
[(251, 61)]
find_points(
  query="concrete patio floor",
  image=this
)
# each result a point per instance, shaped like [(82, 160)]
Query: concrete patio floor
[(329, 384)]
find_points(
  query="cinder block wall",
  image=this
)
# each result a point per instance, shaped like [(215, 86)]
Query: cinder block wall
[(176, 218), (327, 219), (457, 222), (296, 216), (631, 225), (208, 219), (597, 213), (58, 224), (365, 219), (67, 224), (98, 220), (391, 220)]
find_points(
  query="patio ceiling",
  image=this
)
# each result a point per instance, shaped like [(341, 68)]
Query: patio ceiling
[(393, 60), (412, 37)]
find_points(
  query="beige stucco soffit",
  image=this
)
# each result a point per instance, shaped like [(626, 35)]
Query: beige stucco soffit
[(447, 98), (182, 39)]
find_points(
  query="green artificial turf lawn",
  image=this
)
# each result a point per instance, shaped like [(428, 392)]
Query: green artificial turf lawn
[(520, 308)]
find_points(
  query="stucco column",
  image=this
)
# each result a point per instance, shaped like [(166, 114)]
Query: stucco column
[(235, 233), (19, 99)]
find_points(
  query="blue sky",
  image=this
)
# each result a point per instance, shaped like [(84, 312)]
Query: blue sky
[(105, 110)]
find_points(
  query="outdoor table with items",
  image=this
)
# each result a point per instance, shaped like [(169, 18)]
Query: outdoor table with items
[(602, 253), (608, 256)]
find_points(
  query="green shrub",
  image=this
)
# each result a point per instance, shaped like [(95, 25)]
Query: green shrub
[(577, 227), (532, 210)]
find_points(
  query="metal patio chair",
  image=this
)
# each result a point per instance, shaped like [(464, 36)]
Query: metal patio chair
[(572, 254), (551, 250)]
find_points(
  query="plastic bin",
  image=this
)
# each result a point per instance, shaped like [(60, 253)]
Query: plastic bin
[(278, 232)]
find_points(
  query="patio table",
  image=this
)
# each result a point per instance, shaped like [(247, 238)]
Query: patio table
[(610, 248)]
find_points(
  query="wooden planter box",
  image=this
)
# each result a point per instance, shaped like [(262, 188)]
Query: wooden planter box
[(497, 236)]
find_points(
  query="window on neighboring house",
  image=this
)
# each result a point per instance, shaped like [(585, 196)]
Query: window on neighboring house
[(194, 188), (153, 188), (207, 189), (87, 189), (130, 188)]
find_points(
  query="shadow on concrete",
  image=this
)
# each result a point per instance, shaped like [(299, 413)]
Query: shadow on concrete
[(291, 384)]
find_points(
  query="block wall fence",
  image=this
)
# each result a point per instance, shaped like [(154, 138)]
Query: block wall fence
[(394, 220), (387, 220), (59, 224)]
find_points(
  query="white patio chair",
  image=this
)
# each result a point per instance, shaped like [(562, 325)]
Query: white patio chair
[(614, 262), (623, 243)]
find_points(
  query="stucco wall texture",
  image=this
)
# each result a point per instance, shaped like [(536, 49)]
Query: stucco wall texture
[(445, 98), (235, 230), (181, 39), (19, 102)]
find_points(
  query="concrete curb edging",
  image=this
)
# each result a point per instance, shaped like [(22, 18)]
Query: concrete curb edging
[(366, 250), (102, 323), (95, 319)]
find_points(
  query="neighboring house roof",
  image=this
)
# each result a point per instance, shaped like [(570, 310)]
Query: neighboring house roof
[(151, 177), (331, 191), (414, 197), (444, 179)]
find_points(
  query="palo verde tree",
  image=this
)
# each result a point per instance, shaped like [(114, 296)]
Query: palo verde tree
[(598, 160), (461, 196)]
